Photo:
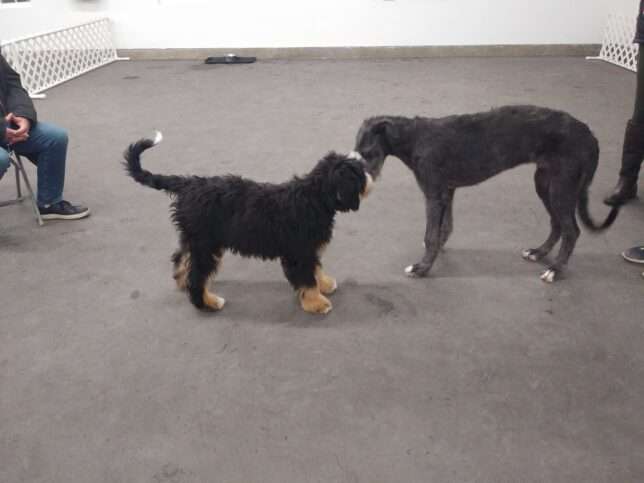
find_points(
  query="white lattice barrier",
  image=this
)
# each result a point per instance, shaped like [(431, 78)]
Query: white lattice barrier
[(618, 47), (50, 58)]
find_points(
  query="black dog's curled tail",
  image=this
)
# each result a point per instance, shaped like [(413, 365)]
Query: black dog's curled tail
[(133, 167), (587, 220)]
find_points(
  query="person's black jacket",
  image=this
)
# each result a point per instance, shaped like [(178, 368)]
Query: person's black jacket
[(13, 97)]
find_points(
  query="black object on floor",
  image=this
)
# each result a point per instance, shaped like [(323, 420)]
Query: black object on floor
[(230, 59)]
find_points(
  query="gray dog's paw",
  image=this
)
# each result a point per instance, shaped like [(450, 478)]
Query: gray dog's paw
[(416, 271), (549, 275), (409, 271), (531, 254)]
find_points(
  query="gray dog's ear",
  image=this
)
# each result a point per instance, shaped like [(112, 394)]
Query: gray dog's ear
[(380, 127), (387, 128)]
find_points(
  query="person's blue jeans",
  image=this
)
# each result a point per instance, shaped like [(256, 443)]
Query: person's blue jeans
[(4, 161), (47, 148)]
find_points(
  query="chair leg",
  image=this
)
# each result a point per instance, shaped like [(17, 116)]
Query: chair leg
[(18, 188), (19, 197), (31, 195)]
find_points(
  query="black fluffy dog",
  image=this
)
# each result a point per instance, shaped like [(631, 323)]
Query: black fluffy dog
[(455, 151), (292, 221)]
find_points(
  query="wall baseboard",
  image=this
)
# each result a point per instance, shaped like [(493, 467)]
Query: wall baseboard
[(357, 53)]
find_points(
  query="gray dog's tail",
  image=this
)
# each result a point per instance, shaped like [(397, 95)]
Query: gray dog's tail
[(133, 167), (582, 205), (587, 220)]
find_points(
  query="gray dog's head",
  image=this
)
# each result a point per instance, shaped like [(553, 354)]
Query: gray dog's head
[(374, 142)]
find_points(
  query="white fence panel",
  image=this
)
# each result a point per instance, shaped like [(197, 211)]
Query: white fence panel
[(48, 59), (618, 47)]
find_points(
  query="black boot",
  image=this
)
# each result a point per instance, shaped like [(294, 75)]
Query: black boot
[(625, 190), (632, 156)]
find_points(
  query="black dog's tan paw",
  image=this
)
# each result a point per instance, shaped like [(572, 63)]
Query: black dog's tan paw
[(328, 285), (314, 302), (532, 254), (549, 275), (416, 271), (180, 276), (212, 301)]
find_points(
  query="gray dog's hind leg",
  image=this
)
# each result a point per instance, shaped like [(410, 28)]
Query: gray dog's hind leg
[(570, 234), (563, 201), (542, 184)]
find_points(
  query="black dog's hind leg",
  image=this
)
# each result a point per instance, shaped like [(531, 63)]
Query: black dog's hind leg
[(181, 262), (436, 209), (542, 184), (202, 264), (301, 273), (563, 201)]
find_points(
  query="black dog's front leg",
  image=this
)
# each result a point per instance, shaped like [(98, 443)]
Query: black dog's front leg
[(436, 209), (301, 274)]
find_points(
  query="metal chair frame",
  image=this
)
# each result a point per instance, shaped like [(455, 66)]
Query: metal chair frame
[(21, 174)]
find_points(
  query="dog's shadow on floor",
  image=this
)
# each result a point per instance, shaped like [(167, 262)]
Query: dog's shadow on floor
[(477, 263), (10, 243), (276, 303)]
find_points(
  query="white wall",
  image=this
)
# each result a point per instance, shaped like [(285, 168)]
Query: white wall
[(42, 15), (326, 23)]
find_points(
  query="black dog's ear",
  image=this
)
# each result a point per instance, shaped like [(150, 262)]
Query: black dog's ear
[(348, 180)]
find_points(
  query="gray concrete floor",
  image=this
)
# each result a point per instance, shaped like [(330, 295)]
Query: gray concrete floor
[(480, 373)]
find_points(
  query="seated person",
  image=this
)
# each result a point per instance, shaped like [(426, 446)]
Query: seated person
[(42, 143)]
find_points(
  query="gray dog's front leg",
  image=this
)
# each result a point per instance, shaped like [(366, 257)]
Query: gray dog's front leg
[(447, 224), (436, 208)]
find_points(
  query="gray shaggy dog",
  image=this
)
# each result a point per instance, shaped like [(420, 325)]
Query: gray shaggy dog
[(456, 151)]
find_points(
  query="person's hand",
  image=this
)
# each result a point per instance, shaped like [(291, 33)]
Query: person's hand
[(12, 138), (9, 133), (21, 133)]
